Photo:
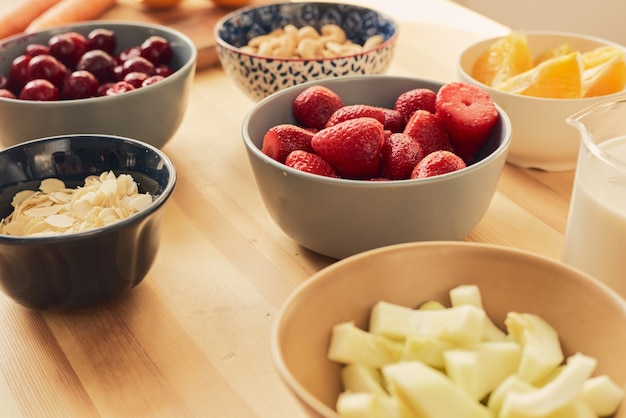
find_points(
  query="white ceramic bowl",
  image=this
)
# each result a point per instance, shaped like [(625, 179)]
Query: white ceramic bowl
[(258, 76), (588, 316), (339, 217), (541, 137), (149, 114)]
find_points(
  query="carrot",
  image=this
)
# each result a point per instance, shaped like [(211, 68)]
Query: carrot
[(18, 15), (70, 11)]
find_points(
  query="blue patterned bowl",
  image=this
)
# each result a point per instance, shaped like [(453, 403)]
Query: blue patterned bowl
[(259, 76)]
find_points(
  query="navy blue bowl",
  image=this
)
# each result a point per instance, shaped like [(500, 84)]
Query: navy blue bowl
[(259, 76), (359, 23), (89, 268)]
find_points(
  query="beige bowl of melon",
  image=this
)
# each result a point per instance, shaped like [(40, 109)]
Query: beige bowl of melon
[(540, 78), (452, 329)]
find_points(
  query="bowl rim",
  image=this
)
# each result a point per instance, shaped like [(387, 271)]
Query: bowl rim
[(221, 43), (536, 32), (156, 204), (251, 147), (321, 276), (188, 66)]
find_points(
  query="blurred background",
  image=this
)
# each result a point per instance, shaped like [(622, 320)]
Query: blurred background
[(599, 18)]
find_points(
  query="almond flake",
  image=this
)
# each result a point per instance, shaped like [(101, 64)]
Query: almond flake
[(43, 211), (51, 185), (55, 209), (21, 196), (60, 221)]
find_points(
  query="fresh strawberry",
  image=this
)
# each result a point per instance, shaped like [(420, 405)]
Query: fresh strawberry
[(352, 147), (425, 128), (356, 111), (280, 140), (399, 156), (310, 163), (417, 99), (437, 163), (313, 106), (394, 120), (468, 114)]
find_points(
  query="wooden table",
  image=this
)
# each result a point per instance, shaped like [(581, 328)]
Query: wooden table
[(193, 338)]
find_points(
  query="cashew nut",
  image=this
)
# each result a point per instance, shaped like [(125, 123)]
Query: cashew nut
[(307, 43)]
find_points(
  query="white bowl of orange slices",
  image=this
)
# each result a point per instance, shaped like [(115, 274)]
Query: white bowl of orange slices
[(540, 78)]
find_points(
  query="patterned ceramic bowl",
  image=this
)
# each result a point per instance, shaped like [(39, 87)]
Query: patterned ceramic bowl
[(259, 75)]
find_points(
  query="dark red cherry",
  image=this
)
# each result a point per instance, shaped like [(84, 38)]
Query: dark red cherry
[(151, 80), (130, 52), (103, 39), (48, 68), (18, 72), (102, 88), (135, 78), (118, 73), (99, 63), (157, 50), (137, 64), (7, 94), (163, 70), (119, 88), (68, 47), (36, 49), (40, 90), (80, 84)]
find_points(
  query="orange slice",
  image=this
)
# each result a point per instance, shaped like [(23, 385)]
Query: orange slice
[(558, 51), (506, 57), (605, 77), (600, 55), (558, 77)]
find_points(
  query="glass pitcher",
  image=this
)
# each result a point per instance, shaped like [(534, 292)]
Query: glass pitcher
[(595, 237)]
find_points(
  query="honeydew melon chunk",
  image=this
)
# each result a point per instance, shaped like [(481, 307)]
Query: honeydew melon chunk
[(469, 294), (350, 344), (602, 394), (390, 320), (575, 409), (497, 360), (431, 305), (427, 349), (556, 394), (513, 383), (461, 367), (550, 377), (358, 405), (357, 377), (369, 405), (541, 349), (479, 369), (429, 393), (460, 325)]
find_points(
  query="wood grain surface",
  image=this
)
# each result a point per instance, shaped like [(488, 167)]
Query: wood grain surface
[(194, 18), (192, 340)]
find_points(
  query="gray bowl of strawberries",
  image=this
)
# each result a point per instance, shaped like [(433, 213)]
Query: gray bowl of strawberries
[(349, 164)]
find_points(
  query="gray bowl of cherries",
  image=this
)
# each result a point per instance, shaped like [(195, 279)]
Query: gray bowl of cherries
[(126, 79)]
